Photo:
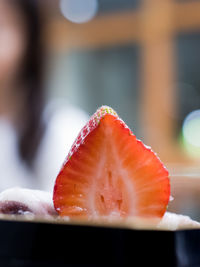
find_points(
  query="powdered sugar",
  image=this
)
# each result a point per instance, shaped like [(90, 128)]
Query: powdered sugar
[(38, 202)]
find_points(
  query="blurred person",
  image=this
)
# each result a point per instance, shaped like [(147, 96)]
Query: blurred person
[(34, 137)]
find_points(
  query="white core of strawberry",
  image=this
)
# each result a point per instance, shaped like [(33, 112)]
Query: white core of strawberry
[(110, 181)]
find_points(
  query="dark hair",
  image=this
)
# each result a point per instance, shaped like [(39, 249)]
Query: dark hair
[(30, 81)]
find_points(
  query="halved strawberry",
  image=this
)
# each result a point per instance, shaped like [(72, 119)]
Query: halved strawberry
[(108, 171)]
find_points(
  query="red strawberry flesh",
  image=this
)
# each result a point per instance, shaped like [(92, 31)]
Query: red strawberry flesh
[(108, 171)]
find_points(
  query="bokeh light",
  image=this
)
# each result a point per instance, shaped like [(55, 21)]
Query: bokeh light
[(79, 11), (191, 133)]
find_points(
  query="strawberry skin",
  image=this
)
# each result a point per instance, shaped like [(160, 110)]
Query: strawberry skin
[(108, 171)]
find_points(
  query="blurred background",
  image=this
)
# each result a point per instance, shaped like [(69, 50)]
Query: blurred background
[(61, 60)]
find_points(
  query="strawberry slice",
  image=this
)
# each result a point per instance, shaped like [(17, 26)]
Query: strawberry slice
[(108, 171)]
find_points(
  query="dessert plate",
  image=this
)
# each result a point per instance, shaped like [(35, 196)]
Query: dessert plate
[(76, 244)]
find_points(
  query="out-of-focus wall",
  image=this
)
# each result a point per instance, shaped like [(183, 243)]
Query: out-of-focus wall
[(141, 57)]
